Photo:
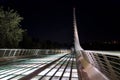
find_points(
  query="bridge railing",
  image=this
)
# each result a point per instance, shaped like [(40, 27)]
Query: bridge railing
[(107, 62), (29, 52)]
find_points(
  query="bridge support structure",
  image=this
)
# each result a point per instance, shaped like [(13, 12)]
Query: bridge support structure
[(94, 65)]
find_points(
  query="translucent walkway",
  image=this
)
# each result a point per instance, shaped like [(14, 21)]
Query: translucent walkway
[(49, 67), (64, 69)]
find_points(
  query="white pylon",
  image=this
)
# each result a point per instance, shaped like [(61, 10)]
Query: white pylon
[(76, 38)]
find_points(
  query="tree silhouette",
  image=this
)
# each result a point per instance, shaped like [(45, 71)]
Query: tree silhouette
[(10, 31)]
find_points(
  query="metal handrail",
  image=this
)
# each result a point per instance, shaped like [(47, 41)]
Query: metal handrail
[(107, 61), (29, 52)]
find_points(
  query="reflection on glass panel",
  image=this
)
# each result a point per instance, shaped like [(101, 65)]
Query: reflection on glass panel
[(3, 75), (61, 70), (17, 77), (2, 71), (36, 78), (52, 66), (55, 78), (41, 65), (74, 78), (65, 78), (7, 71), (51, 72), (74, 59), (66, 74), (7, 77), (74, 74), (28, 72), (68, 70), (74, 70), (58, 74), (46, 78), (44, 72), (20, 72)]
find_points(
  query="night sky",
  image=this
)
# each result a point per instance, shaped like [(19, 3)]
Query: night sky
[(53, 19)]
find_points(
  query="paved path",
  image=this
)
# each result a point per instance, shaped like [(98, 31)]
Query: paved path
[(52, 67)]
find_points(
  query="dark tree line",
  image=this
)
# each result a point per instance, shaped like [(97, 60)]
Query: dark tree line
[(10, 32)]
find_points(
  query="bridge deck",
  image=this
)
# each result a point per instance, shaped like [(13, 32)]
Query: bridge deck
[(52, 67)]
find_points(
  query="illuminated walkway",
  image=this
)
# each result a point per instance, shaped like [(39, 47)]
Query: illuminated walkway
[(64, 69), (49, 67)]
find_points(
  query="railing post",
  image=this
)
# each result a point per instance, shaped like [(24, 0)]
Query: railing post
[(4, 52), (36, 52), (18, 52), (10, 52), (21, 52), (15, 52)]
